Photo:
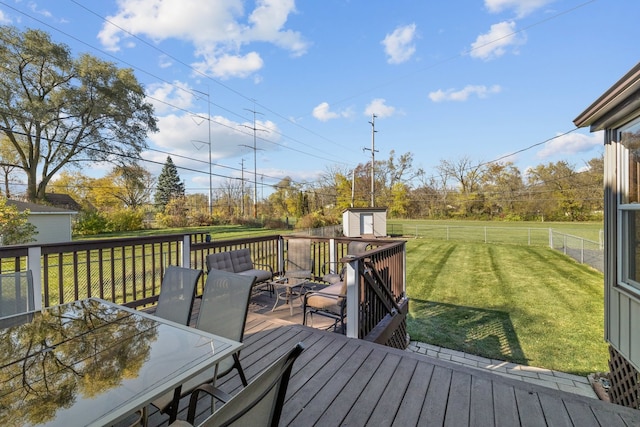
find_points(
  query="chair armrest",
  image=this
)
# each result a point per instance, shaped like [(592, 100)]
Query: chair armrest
[(323, 269), (265, 266), (208, 389), (322, 294)]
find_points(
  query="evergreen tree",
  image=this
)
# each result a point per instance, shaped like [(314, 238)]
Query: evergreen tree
[(169, 185)]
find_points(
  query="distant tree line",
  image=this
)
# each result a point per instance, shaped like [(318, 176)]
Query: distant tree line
[(460, 188)]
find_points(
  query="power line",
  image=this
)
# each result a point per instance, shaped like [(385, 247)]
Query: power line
[(227, 87)]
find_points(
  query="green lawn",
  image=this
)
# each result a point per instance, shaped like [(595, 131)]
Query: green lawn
[(524, 304), (586, 230), (216, 231)]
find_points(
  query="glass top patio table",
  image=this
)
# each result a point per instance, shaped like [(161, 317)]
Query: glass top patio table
[(92, 362)]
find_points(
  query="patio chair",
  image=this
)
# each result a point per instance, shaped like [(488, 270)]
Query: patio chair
[(223, 312), (219, 261), (16, 293), (259, 404), (177, 292), (299, 263), (329, 302), (333, 272)]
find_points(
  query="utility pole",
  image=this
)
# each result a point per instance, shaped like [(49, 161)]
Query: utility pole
[(242, 188), (373, 156), (209, 130), (353, 185), (255, 169)]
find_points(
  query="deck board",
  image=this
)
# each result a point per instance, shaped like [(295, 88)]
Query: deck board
[(435, 405), (383, 366), (505, 409), (459, 400), (391, 398), (343, 381), (481, 404), (529, 408), (409, 410), (555, 410), (340, 408)]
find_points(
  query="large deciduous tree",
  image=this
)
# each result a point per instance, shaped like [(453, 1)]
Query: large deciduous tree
[(57, 110), (131, 185)]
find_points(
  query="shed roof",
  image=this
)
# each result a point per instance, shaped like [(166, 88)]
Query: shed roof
[(63, 201), (365, 210), (36, 209), (618, 105)]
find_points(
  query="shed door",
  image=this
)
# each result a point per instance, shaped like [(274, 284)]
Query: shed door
[(366, 223)]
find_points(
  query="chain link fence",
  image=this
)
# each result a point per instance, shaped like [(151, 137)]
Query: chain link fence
[(582, 250)]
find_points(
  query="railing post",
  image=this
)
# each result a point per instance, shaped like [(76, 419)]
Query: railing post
[(281, 254), (404, 269), (332, 256), (186, 251), (353, 299), (34, 255)]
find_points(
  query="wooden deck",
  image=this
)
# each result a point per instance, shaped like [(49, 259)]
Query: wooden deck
[(338, 381)]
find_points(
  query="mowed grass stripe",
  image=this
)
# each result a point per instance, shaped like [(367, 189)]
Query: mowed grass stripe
[(523, 304)]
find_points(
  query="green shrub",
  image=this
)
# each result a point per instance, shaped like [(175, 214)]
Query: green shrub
[(316, 220), (15, 227), (126, 220), (90, 223)]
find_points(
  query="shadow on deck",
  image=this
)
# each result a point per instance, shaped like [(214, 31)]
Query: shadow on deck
[(342, 381)]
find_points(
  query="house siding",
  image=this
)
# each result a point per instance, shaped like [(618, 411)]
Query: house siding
[(615, 108), (52, 228)]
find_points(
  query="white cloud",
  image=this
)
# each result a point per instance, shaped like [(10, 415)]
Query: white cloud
[(480, 91), (378, 107), (268, 19), (188, 136), (497, 41), (323, 112), (570, 144), (43, 12), (4, 19), (521, 7), (165, 62), (399, 45), (225, 65), (219, 30), (167, 96)]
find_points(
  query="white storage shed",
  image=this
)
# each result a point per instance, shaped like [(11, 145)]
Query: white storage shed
[(364, 222), (53, 224)]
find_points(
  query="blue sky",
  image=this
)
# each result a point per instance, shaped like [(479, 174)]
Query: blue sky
[(446, 79)]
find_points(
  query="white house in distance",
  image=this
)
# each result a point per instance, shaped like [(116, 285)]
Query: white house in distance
[(617, 113), (53, 224), (364, 222)]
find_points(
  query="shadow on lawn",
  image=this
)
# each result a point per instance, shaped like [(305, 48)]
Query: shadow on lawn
[(486, 333)]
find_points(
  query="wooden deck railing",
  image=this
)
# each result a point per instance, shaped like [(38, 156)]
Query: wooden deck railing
[(129, 271)]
